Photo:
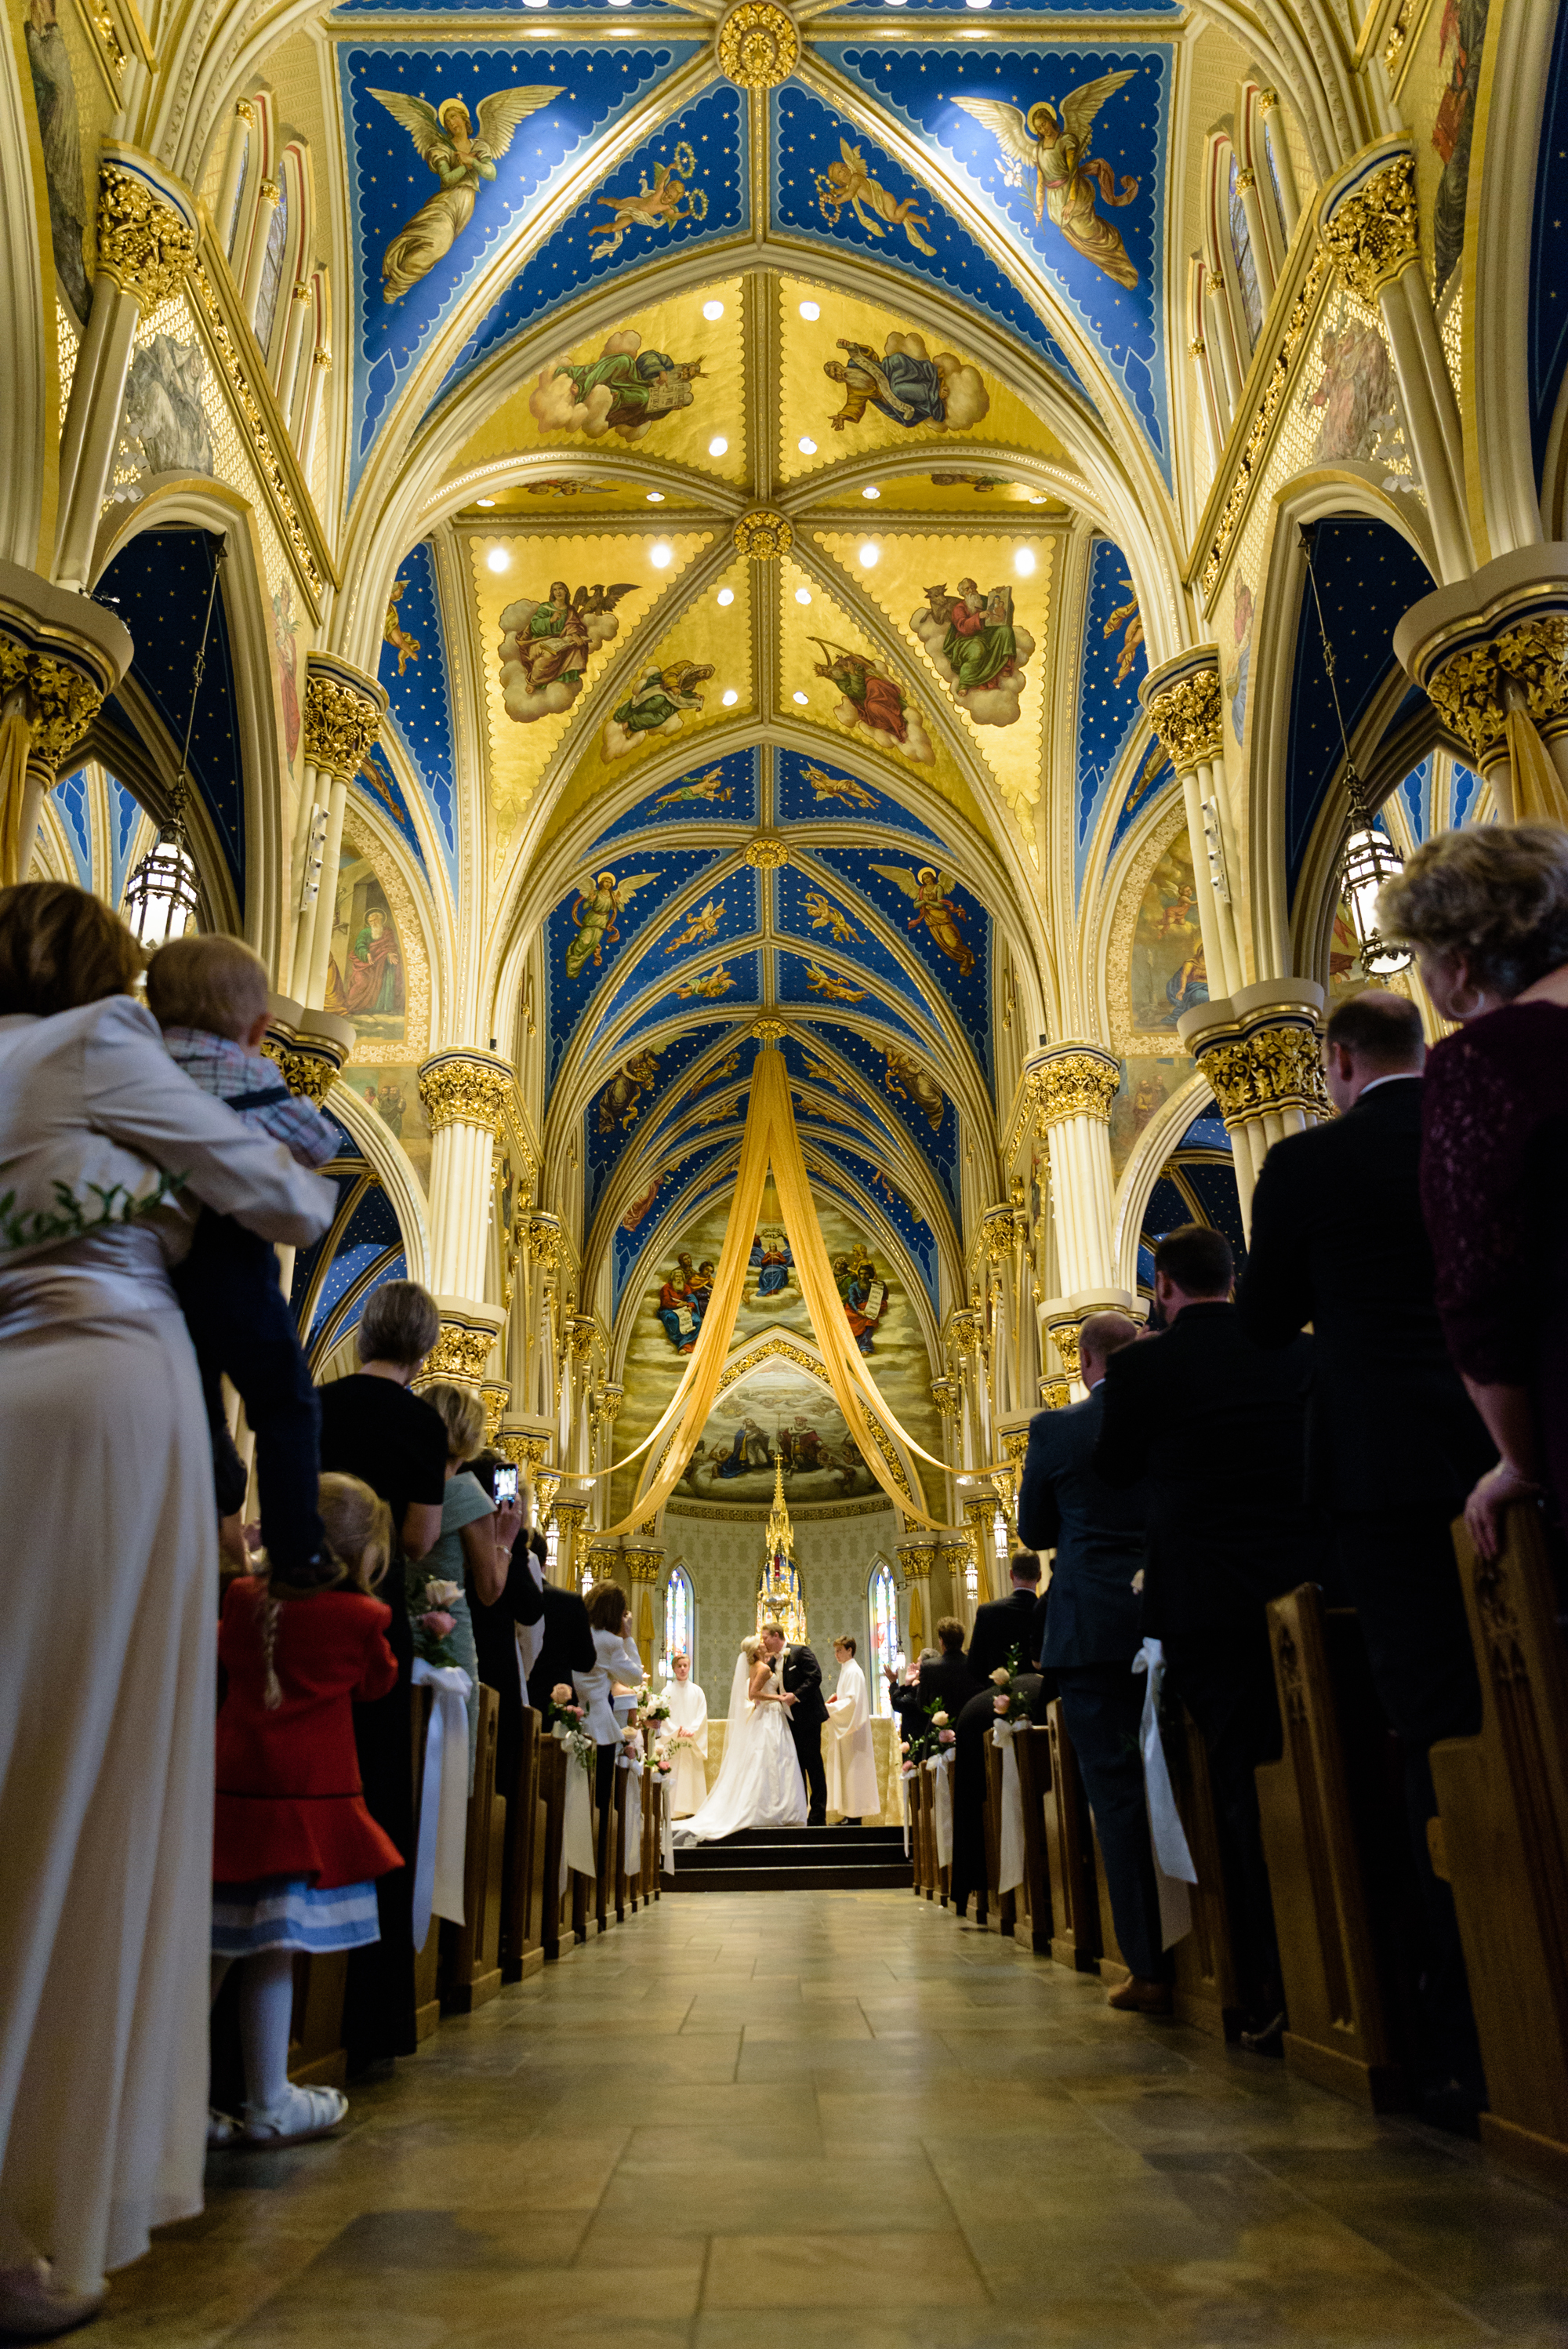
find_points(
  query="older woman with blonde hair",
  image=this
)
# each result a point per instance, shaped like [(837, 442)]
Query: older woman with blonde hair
[(107, 1668), (1486, 910)]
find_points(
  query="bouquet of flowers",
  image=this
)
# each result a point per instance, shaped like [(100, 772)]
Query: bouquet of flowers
[(1006, 1699), (563, 1720), (430, 1602), (661, 1760), (653, 1709)]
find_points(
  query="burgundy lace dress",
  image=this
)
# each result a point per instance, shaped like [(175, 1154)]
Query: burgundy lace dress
[(1494, 1176)]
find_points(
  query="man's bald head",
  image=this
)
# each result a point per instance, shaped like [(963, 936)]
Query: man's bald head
[(1102, 1335)]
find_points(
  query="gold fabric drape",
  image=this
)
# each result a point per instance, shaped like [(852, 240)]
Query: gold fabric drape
[(16, 743)]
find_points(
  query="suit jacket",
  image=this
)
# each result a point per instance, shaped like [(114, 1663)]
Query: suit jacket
[(1216, 1425), (567, 1648), (952, 1680), (1339, 1240), (1097, 1531), (803, 1674), (1002, 1625)]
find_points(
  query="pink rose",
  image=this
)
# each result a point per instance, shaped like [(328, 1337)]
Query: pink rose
[(1003, 1702), (947, 1737), (436, 1625)]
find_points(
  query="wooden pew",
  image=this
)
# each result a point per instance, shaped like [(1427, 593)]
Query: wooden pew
[(522, 1879), (317, 2057), (655, 1791), (919, 1805), (556, 1936), (1204, 1990), (623, 1886), (606, 1832), (471, 1960), (1034, 1912), (1339, 1871), (1502, 1801), (1073, 1901)]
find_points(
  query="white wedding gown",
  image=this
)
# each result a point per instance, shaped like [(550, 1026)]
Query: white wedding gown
[(759, 1782)]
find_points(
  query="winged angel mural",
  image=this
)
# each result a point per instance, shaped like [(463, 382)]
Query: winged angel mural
[(444, 138), (1053, 143)]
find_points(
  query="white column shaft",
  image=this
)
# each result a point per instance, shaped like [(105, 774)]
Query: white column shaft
[(326, 903)]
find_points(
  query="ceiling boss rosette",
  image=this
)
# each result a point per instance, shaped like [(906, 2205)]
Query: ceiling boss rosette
[(759, 46)]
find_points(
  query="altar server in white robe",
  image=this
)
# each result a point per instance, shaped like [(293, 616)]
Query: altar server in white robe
[(688, 1714), (852, 1760)]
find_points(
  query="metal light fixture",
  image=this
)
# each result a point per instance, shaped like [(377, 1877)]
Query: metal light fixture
[(1369, 858), (161, 896)]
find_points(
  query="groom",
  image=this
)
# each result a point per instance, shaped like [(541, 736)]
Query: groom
[(801, 1676)]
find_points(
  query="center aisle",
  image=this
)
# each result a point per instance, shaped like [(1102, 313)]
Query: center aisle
[(741, 2119)]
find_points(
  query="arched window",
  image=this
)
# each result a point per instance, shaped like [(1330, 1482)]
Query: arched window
[(883, 1601), (272, 267), (680, 1620)]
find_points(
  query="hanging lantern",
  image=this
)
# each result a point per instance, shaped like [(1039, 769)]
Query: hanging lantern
[(161, 896)]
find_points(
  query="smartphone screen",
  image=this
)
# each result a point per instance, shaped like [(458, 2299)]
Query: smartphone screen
[(505, 1486)]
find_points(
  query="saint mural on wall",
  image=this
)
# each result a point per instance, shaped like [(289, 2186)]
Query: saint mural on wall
[(393, 1095), (163, 423), (934, 910), (778, 1416), (874, 701), (659, 703), (594, 914), (59, 130), (771, 1261), (906, 385), (1052, 142), (546, 643), (365, 981), (625, 389)]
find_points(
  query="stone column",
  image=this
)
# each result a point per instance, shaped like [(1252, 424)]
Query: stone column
[(570, 1511), (537, 1259), (1072, 1086), (342, 712), (1490, 653), (980, 1520), (461, 1354), (269, 195), (915, 1560), (463, 1093), (525, 1439), (59, 656), (1259, 1051), (1279, 150), (645, 1567), (1370, 226), (146, 236), (956, 1561), (1182, 699)]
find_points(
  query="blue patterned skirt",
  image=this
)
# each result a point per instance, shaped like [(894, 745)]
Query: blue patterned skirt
[(289, 1913)]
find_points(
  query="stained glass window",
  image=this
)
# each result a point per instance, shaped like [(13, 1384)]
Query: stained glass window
[(273, 269), (1246, 266), (884, 1603), (680, 1620)]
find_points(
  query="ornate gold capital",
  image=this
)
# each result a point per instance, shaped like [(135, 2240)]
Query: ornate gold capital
[(525, 1451), (545, 1240), (1078, 1082), (1535, 654), (546, 1485), (759, 46), (1372, 234), (915, 1560), (144, 245), (1247, 178), (461, 1354), (1196, 347), (1186, 716), (342, 724), (462, 1089), (1271, 1069), (944, 1397), (61, 701), (1065, 1338), (771, 1031), (767, 851), (1466, 691), (763, 535), (1003, 1227), (309, 1068), (1054, 1393), (643, 1564), (497, 1400), (571, 1515)]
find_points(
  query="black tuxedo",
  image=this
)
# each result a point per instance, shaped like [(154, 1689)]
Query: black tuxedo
[(947, 1684), (1394, 1445), (1000, 1626), (1004, 1624), (567, 1647), (801, 1676)]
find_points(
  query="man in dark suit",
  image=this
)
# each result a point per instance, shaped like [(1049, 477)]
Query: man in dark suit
[(566, 1648), (1216, 1426), (1092, 1634), (947, 1680), (1394, 1443), (801, 1675), (1000, 1626)]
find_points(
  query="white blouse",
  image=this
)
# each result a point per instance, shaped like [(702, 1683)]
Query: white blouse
[(618, 1659)]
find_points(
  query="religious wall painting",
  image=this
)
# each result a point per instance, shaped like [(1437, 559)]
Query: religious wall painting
[(1046, 150), (393, 1092), (619, 1105), (1238, 668), (824, 914), (1349, 391), (708, 986), (910, 1081), (977, 649), (1167, 974), (777, 1417), (850, 181), (593, 918), (163, 425), (661, 201), (406, 645), (625, 389), (771, 1262), (547, 642), (836, 790), (61, 134), (660, 702), (1461, 38), (285, 644), (907, 384), (366, 978), (683, 1299), (461, 148), (1148, 1081), (700, 790), (873, 702), (829, 985), (1128, 620)]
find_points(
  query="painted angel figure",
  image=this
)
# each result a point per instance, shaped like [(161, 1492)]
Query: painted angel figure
[(1053, 142), (825, 915), (445, 140), (823, 982), (829, 787), (709, 789), (849, 183), (393, 632), (699, 926), (905, 1077), (662, 202), (1125, 614), (595, 916), (928, 890)]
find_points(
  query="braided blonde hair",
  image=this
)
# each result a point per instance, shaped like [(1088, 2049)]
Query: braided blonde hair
[(358, 1544)]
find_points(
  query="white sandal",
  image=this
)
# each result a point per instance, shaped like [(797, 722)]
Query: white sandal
[(303, 2114)]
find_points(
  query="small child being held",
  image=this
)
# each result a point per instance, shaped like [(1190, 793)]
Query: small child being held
[(209, 995), (295, 1853)]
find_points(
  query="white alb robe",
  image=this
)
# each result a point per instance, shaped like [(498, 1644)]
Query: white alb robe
[(688, 1779), (852, 1787)]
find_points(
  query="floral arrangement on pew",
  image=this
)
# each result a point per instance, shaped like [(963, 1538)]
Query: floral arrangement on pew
[(564, 1721), (1006, 1699), (431, 1618), (661, 1758), (650, 1708)]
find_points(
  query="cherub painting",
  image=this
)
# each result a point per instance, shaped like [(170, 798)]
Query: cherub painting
[(708, 790), (1236, 674), (1053, 143), (849, 181), (625, 389), (444, 138), (905, 1077), (618, 1103), (393, 632), (595, 916), (825, 915), (662, 202), (698, 925), (819, 1073), (545, 645), (933, 907), (871, 699), (837, 991), (712, 984), (830, 790), (906, 385), (1126, 615), (977, 649), (659, 703)]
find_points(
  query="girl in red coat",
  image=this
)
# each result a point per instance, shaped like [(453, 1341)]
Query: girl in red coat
[(295, 1853)]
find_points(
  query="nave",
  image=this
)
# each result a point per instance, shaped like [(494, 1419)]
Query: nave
[(744, 2118)]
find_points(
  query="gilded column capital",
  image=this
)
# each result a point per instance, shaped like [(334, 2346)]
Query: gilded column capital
[(342, 712), (1054, 1393), (762, 534), (1002, 1227), (570, 1515), (496, 1397), (944, 1397), (1077, 1080), (525, 1446), (461, 1088), (915, 1561), (546, 1485), (1259, 1050), (60, 654), (1368, 218), (145, 226), (310, 1054), (1065, 1338), (1494, 643), (1181, 700), (544, 1238), (461, 1353), (642, 1563)]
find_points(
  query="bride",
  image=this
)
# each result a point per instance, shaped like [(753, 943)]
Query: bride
[(759, 1782)]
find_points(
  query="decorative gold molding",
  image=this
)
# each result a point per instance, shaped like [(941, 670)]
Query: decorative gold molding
[(310, 1067), (458, 1089), (496, 1397), (763, 535), (643, 1564), (1245, 470), (759, 46), (1471, 696), (461, 1354), (771, 1031), (945, 1397), (1002, 1228), (1373, 236), (1080, 1081), (767, 851), (1054, 1393), (145, 246), (1271, 1069), (341, 726), (524, 1451), (61, 698), (544, 1241), (1187, 718), (1065, 1338)]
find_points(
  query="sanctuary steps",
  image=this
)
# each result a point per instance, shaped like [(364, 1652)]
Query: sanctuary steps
[(796, 1859)]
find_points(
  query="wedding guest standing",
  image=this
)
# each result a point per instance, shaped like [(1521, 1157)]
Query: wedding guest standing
[(689, 1739), (852, 1788), (1002, 1625), (1487, 912), (108, 1666)]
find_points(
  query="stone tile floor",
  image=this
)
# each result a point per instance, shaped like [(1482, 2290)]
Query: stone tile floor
[(742, 2120)]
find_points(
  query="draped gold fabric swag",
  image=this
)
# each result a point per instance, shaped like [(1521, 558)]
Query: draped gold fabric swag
[(770, 1139)]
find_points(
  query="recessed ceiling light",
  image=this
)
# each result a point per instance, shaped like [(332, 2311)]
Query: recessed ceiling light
[(484, 502), (802, 595), (713, 310), (656, 497), (662, 555), (977, 4), (718, 446), (867, 555), (730, 697), (1034, 498), (807, 448), (871, 490), (802, 699), (727, 594), (1023, 562), (499, 558), (810, 309), (536, 4)]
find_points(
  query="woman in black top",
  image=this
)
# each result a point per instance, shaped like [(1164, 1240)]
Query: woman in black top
[(495, 1640), (373, 1428)]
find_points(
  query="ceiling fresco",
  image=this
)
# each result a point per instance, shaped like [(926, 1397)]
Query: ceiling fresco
[(413, 669)]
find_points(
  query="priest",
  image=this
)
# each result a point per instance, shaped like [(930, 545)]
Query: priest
[(852, 1788), (687, 1733)]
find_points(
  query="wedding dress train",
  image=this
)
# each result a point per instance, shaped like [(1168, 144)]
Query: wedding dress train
[(759, 1784)]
